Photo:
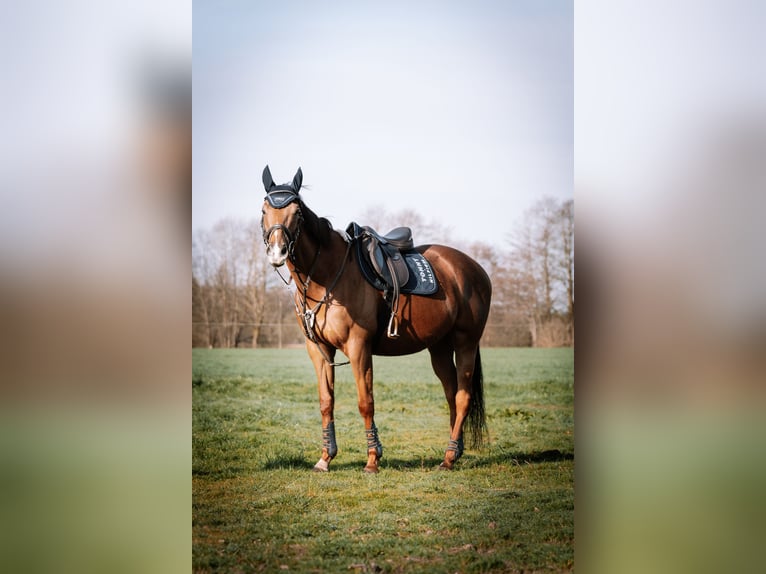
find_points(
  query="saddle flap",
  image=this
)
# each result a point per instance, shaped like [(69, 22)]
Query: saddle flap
[(388, 262)]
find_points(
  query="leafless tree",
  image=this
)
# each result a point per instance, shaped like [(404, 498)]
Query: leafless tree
[(235, 293), (542, 267), (424, 230), (566, 266), (229, 283)]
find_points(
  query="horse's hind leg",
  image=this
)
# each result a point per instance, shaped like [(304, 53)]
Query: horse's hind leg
[(462, 371), (444, 367)]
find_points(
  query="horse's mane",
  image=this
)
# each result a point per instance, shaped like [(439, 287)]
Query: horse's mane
[(319, 228)]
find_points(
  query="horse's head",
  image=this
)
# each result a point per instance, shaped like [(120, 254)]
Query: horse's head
[(281, 217)]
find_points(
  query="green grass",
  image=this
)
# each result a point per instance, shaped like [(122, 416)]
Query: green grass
[(258, 507)]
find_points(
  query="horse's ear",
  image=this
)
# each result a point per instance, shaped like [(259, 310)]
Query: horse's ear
[(298, 180), (268, 181)]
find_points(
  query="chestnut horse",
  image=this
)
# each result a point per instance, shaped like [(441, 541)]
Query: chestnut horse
[(338, 309)]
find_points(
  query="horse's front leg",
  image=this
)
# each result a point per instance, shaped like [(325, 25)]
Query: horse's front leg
[(326, 383), (361, 363)]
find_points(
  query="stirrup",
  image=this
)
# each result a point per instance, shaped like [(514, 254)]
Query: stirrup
[(393, 327)]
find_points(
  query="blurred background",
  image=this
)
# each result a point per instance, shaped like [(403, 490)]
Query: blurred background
[(95, 196), (95, 180), (670, 159)]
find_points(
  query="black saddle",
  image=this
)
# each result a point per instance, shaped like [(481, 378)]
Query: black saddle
[(400, 237), (390, 264)]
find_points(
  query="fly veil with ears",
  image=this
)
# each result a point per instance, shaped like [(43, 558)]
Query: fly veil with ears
[(280, 196)]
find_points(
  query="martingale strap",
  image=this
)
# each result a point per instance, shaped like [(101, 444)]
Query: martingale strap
[(373, 442), (307, 316), (328, 439)]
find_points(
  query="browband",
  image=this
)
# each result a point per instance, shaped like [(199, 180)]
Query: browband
[(281, 196)]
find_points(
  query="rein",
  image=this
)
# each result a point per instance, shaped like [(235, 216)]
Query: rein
[(308, 316)]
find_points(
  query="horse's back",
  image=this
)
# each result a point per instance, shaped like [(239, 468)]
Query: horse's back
[(457, 270)]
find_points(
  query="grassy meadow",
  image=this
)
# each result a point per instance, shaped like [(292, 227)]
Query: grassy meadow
[(257, 507)]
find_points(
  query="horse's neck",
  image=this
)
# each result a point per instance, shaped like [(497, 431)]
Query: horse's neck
[(325, 266)]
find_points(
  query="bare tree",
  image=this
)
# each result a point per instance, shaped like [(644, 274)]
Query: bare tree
[(235, 293), (203, 300), (507, 324), (231, 276), (566, 230), (200, 318), (542, 267), (423, 230)]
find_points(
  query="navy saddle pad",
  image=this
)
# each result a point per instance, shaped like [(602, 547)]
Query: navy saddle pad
[(422, 280)]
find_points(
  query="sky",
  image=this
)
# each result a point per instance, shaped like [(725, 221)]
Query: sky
[(460, 111)]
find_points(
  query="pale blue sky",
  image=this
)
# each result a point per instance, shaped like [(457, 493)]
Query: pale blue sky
[(461, 111)]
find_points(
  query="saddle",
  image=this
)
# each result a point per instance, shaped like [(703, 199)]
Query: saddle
[(390, 263)]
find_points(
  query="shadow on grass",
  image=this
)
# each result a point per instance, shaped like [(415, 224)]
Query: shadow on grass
[(287, 462), (480, 461), (290, 462), (534, 457)]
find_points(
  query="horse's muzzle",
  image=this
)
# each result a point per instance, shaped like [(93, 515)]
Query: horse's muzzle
[(277, 255)]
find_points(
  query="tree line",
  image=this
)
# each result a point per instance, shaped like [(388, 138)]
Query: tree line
[(238, 300)]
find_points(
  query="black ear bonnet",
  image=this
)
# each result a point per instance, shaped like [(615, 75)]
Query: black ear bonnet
[(280, 196)]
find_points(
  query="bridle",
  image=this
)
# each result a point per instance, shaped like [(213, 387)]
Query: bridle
[(292, 237), (307, 315)]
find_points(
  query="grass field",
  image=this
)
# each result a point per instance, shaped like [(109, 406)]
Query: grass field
[(257, 507)]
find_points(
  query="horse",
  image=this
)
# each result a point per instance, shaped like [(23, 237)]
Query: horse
[(338, 309)]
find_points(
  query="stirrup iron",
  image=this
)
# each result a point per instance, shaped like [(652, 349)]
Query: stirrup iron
[(393, 327)]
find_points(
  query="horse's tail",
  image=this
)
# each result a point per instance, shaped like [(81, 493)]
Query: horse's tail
[(477, 420)]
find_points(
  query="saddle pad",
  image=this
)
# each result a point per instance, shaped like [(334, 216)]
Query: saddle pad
[(422, 280)]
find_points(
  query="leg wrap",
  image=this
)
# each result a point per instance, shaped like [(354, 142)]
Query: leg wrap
[(373, 442), (328, 439), (457, 447)]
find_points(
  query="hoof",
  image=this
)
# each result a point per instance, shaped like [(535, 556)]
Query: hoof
[(445, 466), (371, 469), (322, 466)]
